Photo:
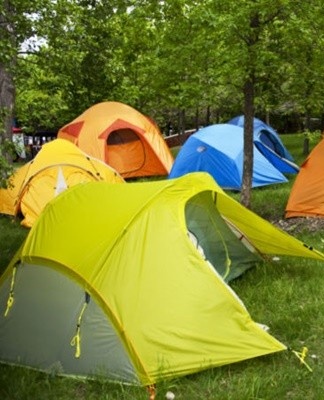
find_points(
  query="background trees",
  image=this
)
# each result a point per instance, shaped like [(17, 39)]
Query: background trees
[(18, 22), (186, 62)]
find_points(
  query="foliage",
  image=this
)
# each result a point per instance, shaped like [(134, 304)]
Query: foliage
[(17, 23), (129, 51), (41, 103), (312, 136)]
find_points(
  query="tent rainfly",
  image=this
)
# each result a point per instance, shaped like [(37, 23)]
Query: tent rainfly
[(268, 142), (58, 166), (143, 298), (219, 149), (122, 137), (306, 197)]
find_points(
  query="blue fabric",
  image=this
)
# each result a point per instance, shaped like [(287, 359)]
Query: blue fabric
[(282, 164), (265, 137), (218, 150)]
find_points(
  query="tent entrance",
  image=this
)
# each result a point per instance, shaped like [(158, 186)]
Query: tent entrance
[(268, 139), (125, 151), (45, 312), (225, 248)]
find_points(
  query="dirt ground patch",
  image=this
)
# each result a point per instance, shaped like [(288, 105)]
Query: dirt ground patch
[(300, 224)]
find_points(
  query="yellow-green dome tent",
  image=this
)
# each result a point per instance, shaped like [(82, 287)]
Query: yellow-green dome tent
[(109, 282)]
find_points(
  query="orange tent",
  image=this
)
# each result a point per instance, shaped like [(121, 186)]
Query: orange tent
[(122, 137), (307, 194)]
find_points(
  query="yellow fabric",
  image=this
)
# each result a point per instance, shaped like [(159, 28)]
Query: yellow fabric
[(262, 234), (11, 293), (301, 355), (9, 197), (132, 254), (146, 155), (35, 184), (76, 340)]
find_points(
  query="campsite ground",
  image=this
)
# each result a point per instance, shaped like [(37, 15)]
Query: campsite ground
[(300, 224), (286, 295)]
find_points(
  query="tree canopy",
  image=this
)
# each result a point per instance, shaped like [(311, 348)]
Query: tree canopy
[(184, 61)]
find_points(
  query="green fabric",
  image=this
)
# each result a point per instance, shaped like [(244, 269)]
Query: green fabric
[(42, 322), (217, 239)]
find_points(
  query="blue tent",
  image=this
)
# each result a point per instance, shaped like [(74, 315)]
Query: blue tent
[(218, 150), (270, 145)]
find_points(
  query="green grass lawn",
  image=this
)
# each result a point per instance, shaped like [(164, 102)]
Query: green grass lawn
[(286, 295)]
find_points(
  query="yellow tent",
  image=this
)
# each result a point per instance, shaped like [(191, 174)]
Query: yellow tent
[(133, 290), (58, 166), (122, 137)]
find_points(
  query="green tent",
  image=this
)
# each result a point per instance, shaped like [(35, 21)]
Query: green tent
[(127, 282)]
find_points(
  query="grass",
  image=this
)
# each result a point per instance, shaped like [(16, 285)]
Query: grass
[(285, 295), (12, 234)]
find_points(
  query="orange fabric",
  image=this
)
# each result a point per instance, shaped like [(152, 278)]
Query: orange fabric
[(143, 153), (307, 194), (73, 130)]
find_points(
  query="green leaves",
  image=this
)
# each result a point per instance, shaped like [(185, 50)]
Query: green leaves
[(166, 55)]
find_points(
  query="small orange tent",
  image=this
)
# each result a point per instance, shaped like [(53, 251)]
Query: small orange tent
[(306, 198), (58, 166), (122, 137)]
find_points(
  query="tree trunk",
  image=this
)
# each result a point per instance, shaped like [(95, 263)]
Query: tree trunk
[(208, 116), (322, 122), (306, 146), (7, 101), (248, 143), (306, 134), (182, 121), (197, 119), (7, 86)]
